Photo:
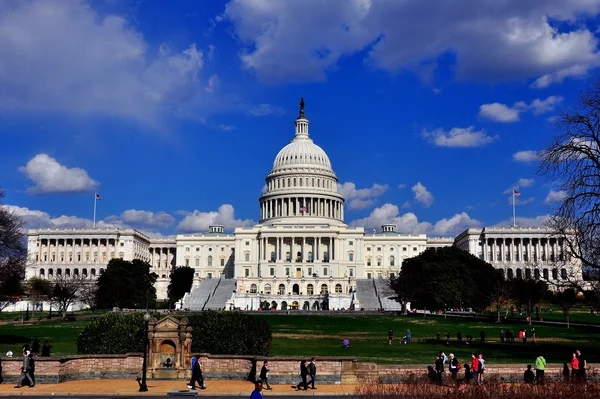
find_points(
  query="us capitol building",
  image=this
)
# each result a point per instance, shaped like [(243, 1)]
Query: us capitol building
[(300, 255)]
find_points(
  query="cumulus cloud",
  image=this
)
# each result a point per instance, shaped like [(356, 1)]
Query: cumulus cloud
[(357, 199), (459, 137), (525, 156), (555, 196), (38, 219), (50, 177), (537, 221), (422, 195), (408, 34), (502, 113), (401, 186), (521, 183), (520, 200), (64, 56), (146, 219), (408, 223), (264, 110), (198, 221)]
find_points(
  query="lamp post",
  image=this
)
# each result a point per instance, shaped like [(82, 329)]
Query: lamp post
[(143, 386)]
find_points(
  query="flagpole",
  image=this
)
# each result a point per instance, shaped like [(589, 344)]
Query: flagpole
[(514, 211), (95, 199)]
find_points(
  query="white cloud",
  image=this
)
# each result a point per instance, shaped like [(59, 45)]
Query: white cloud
[(459, 137), (520, 200), (264, 110), (213, 83), (401, 186), (521, 183), (499, 112), (50, 177), (525, 156), (454, 225), (408, 34), (200, 221), (63, 56), (555, 196), (147, 219), (226, 128), (406, 205), (408, 223), (39, 219), (363, 198), (502, 113), (422, 195)]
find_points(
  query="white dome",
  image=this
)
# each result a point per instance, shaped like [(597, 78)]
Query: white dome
[(302, 152)]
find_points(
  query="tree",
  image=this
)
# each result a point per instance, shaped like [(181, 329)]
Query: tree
[(126, 284), (446, 277), (572, 159), (38, 290), (13, 255), (66, 290), (89, 295), (529, 293), (181, 283), (500, 292), (404, 289), (566, 299)]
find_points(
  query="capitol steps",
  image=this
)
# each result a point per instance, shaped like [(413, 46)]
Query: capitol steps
[(222, 293), (198, 296), (366, 295), (386, 296)]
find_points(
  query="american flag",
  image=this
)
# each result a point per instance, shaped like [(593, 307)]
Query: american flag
[(516, 193), (98, 197)]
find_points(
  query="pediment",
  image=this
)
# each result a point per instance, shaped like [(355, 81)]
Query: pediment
[(168, 323)]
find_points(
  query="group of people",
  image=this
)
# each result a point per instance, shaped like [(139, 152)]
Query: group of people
[(407, 339), (509, 335), (473, 372), (35, 348), (578, 368), (30, 352), (307, 370)]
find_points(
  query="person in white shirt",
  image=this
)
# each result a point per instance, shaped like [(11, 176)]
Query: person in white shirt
[(9, 353)]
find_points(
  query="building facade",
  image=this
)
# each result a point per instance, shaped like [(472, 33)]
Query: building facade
[(301, 254)]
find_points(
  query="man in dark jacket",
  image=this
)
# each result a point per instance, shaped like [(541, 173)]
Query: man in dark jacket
[(312, 370), (264, 374), (25, 372), (197, 374), (439, 369)]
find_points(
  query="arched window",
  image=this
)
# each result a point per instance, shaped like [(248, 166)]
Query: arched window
[(93, 272), (42, 273), (253, 289), (268, 289), (310, 289), (545, 274), (281, 289), (509, 273), (519, 274), (368, 261), (76, 272), (527, 274), (536, 274), (555, 274), (84, 272), (50, 272), (563, 274), (392, 260), (338, 288), (324, 289), (378, 262), (209, 263)]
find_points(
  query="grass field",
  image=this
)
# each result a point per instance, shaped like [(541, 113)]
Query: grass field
[(321, 335)]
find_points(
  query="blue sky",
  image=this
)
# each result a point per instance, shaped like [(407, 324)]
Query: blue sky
[(430, 111)]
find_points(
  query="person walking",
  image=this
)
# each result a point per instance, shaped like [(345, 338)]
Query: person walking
[(25, 372), (408, 336), (480, 369), (474, 367), (439, 368), (533, 334), (303, 374), (390, 336), (312, 368), (574, 366), (582, 375), (502, 335), (197, 375), (32, 368), (264, 374), (256, 394), (437, 335), (540, 366), (453, 368)]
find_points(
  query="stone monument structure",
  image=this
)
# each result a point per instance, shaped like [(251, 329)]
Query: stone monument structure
[(169, 349)]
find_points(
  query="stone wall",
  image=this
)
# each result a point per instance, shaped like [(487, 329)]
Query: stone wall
[(283, 370)]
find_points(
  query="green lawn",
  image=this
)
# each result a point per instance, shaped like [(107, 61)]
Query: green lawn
[(321, 335)]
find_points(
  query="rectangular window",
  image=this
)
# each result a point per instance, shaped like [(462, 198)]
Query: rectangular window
[(351, 272), (368, 249), (287, 271), (272, 271), (404, 249), (324, 271), (351, 257), (378, 262), (247, 242), (246, 272), (197, 249), (368, 262), (187, 249), (415, 249), (197, 262), (351, 243), (187, 262), (379, 249), (122, 244), (310, 271), (222, 262), (247, 257)]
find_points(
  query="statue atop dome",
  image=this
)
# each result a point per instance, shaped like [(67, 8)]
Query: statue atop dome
[(301, 115)]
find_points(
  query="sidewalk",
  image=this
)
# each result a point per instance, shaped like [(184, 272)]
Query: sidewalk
[(159, 388)]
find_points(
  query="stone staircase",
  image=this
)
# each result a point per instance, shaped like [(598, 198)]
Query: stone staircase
[(366, 295), (197, 298), (221, 294), (386, 296)]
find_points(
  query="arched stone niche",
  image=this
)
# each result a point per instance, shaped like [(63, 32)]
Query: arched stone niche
[(170, 345)]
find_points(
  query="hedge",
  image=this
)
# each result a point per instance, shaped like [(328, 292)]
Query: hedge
[(224, 333)]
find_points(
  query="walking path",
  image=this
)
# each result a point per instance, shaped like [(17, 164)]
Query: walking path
[(159, 388)]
